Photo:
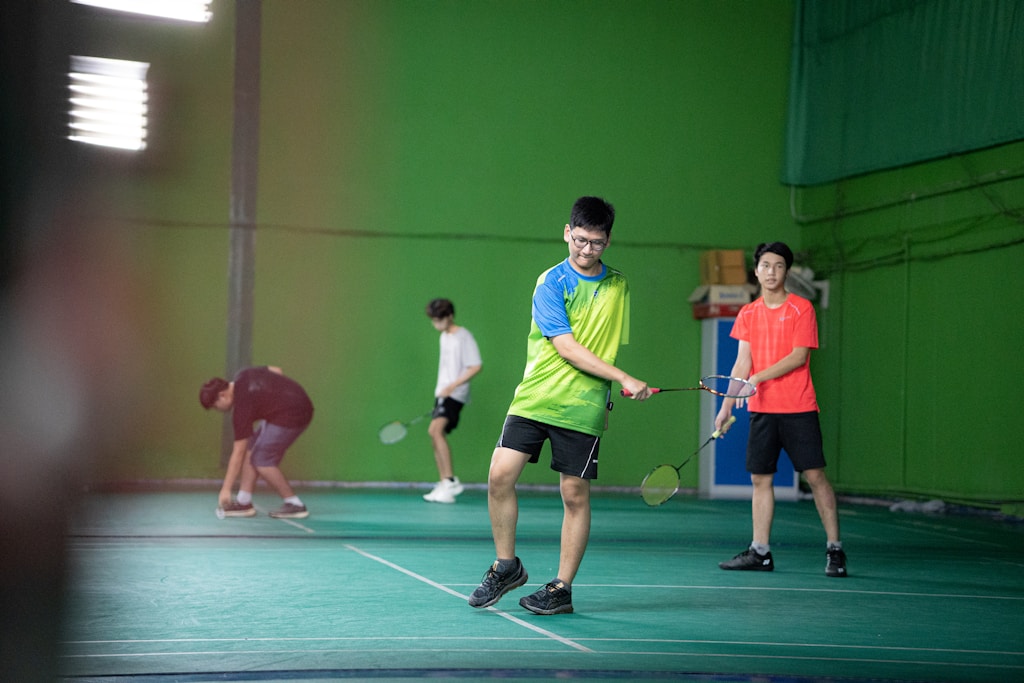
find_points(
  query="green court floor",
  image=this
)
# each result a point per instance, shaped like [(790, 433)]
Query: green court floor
[(373, 586)]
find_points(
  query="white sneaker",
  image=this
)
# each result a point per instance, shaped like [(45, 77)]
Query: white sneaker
[(455, 486), (444, 491)]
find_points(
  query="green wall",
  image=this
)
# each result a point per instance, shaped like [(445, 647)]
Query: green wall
[(412, 150), (921, 340), (419, 149)]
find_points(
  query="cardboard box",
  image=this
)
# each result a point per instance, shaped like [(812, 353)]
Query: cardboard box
[(720, 301), (723, 267)]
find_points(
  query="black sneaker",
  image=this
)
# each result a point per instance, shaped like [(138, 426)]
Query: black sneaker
[(236, 509), (553, 598), (836, 564), (497, 584), (290, 511), (750, 560)]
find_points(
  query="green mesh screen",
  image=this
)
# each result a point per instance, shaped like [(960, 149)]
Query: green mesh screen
[(877, 84)]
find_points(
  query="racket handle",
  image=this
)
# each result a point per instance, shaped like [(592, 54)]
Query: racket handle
[(624, 392), (718, 432)]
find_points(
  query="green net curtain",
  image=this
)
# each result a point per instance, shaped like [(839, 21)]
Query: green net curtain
[(878, 84)]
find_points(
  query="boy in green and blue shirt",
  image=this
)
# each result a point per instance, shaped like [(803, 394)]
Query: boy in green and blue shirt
[(595, 310), (580, 318)]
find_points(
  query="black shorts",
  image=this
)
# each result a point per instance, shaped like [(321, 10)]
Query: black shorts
[(798, 433), (448, 408), (572, 452)]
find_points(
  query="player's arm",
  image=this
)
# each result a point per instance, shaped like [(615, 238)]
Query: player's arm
[(469, 373), (585, 360), (790, 362), (740, 368), (793, 360), (238, 453), (805, 336)]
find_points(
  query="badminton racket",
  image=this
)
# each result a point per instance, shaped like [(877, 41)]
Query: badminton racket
[(393, 432), (719, 385), (662, 482)]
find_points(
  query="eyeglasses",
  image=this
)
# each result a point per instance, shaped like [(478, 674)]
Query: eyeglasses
[(582, 242)]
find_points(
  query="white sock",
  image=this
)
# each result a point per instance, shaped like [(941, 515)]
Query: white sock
[(244, 497), (761, 548), (294, 500)]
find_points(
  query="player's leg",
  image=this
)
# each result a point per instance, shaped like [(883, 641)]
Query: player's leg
[(801, 434), (242, 505), (575, 525), (507, 571), (762, 507), (442, 451), (448, 486), (763, 449), (804, 445), (825, 501), (267, 453), (248, 477), (445, 419), (292, 506), (502, 502), (574, 456), (277, 481)]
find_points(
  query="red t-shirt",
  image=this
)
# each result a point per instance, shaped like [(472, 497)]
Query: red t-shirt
[(772, 334)]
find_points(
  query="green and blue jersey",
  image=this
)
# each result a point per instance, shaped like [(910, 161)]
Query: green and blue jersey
[(595, 310)]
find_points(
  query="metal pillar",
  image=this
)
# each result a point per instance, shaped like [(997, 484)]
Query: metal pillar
[(244, 177)]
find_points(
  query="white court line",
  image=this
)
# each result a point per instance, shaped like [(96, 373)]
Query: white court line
[(506, 615), (974, 665), (792, 589), (461, 639), (783, 589)]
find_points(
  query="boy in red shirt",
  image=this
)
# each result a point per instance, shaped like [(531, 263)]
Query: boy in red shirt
[(776, 333)]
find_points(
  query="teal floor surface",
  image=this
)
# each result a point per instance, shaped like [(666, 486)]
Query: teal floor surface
[(373, 586)]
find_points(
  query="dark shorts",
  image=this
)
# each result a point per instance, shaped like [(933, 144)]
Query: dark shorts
[(572, 452), (448, 408), (269, 442), (798, 433)]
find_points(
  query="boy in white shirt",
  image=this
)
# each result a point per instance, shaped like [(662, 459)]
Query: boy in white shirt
[(459, 362)]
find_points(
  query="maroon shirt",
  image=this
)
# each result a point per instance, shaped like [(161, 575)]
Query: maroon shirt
[(261, 394)]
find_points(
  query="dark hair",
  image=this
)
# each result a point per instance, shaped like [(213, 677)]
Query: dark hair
[(778, 248), (211, 390), (440, 308), (592, 213)]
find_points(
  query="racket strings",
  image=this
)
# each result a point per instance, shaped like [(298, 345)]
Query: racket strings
[(659, 485), (392, 432), (730, 387)]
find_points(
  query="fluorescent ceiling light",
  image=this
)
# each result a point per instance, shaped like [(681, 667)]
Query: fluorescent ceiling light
[(109, 102), (184, 10)]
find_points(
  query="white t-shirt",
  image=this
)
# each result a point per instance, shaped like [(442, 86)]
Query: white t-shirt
[(458, 352)]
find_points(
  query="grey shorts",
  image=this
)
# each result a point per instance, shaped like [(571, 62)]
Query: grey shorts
[(269, 442), (572, 452)]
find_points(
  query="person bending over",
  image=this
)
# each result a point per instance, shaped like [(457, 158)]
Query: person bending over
[(281, 411)]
